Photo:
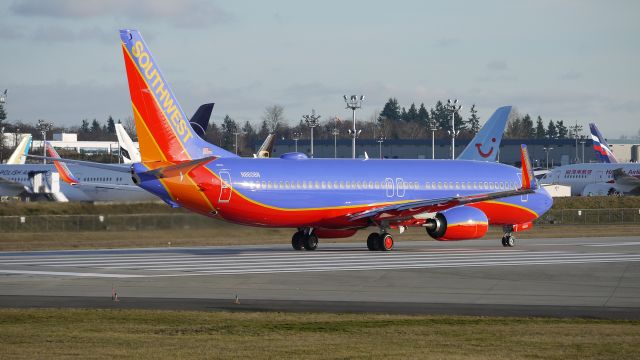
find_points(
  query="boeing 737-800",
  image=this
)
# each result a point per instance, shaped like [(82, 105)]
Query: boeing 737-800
[(319, 198)]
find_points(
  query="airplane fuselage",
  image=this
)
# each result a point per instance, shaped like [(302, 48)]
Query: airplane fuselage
[(579, 176), (324, 193)]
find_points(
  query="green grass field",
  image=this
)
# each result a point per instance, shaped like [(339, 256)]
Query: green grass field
[(145, 334)]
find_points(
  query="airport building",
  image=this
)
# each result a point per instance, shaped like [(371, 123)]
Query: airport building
[(560, 152)]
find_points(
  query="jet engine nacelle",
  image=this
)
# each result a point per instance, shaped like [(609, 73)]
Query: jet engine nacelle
[(600, 189), (458, 223)]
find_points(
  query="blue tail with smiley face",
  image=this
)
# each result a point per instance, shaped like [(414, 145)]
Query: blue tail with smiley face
[(485, 145)]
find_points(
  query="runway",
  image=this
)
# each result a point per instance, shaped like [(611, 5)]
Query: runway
[(552, 277)]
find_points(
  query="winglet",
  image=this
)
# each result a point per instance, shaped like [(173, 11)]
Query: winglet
[(66, 174), (528, 180)]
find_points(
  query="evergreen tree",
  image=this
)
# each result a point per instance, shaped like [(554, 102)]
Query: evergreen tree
[(441, 116), (95, 127), (403, 115), (213, 133), (412, 114), (229, 128), (111, 125), (528, 132), (540, 132), (552, 131), (84, 128), (391, 111), (474, 120), (562, 130), (250, 135), (423, 115)]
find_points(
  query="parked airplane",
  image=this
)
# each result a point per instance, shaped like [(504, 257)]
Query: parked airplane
[(80, 183), (321, 198), (598, 179)]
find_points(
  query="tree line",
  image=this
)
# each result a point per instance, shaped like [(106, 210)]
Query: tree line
[(392, 122)]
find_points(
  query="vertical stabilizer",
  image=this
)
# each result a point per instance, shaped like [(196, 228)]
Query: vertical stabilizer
[(128, 151), (19, 155), (603, 152), (163, 129), (486, 144)]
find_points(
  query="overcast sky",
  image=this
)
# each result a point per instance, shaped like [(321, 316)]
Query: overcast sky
[(563, 60)]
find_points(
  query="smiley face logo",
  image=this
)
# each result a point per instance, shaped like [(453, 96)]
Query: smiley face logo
[(482, 153)]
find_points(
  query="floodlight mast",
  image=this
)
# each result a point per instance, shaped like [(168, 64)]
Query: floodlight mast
[(433, 126), (454, 108), (296, 136), (312, 122), (353, 102)]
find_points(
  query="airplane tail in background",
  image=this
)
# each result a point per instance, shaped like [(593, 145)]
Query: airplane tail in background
[(65, 174), (18, 157), (603, 152), (128, 150), (486, 144), (164, 132)]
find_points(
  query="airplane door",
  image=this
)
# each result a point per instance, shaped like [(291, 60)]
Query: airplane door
[(225, 187), (388, 184), (400, 187)]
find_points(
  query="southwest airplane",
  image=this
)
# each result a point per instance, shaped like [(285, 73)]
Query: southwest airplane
[(320, 198), (609, 177)]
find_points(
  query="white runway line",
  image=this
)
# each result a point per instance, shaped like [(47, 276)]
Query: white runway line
[(219, 262)]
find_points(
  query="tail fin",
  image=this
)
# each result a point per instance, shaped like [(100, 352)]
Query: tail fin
[(19, 154), (528, 180), (486, 144), (164, 132), (128, 151), (267, 146), (64, 172), (200, 119), (603, 152)]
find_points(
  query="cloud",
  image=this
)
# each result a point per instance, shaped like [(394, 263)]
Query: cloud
[(62, 34), (497, 65), (447, 42), (183, 13), (11, 32), (571, 75)]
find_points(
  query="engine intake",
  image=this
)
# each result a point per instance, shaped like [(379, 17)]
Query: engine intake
[(458, 223)]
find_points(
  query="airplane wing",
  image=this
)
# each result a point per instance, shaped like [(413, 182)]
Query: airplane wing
[(408, 209)]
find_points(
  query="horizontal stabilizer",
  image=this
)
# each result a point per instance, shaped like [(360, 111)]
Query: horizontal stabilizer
[(179, 169), (112, 167)]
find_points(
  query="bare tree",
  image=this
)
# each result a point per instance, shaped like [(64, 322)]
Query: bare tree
[(273, 116), (130, 127)]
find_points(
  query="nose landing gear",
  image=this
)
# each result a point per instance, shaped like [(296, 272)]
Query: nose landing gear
[(508, 240)]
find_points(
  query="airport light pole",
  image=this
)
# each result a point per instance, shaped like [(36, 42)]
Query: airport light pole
[(296, 136), (547, 149), (583, 140), (335, 133), (353, 102), (454, 108), (576, 129), (380, 141), (44, 126), (236, 133), (3, 100), (312, 122), (433, 126)]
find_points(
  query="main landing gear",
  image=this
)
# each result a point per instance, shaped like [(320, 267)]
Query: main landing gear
[(508, 240), (304, 238), (380, 242)]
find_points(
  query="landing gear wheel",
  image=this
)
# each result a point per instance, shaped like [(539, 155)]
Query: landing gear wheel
[(311, 242), (372, 241), (504, 241), (386, 242), (510, 241), (297, 241)]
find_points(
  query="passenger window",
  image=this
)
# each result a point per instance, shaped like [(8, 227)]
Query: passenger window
[(377, 185), (439, 185), (457, 185), (341, 184)]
